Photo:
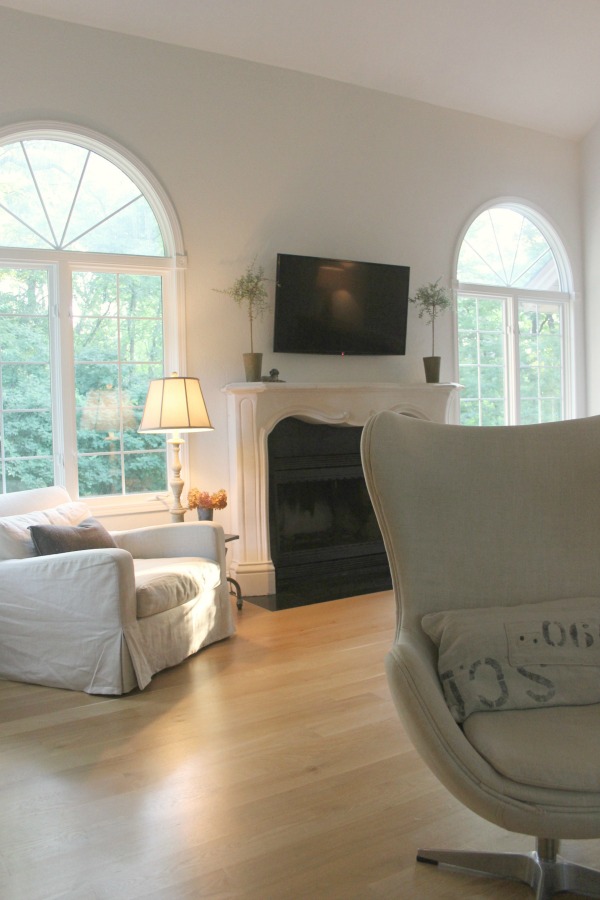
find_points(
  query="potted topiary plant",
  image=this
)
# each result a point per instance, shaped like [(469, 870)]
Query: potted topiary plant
[(249, 290), (432, 300)]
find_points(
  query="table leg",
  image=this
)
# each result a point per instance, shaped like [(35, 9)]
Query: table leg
[(236, 590)]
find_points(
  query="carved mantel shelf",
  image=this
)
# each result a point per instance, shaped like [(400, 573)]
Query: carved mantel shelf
[(253, 410)]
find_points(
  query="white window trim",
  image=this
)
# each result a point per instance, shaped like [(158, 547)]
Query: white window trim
[(61, 264)]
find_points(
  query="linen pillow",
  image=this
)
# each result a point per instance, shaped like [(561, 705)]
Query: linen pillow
[(15, 538), (88, 535), (518, 657)]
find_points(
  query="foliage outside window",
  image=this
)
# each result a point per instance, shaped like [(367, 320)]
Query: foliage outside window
[(25, 380), (81, 334), (512, 314)]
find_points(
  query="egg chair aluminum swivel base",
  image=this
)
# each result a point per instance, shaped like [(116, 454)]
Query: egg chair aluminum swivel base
[(543, 869)]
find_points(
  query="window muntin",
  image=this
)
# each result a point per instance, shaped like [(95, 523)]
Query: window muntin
[(541, 361), (26, 437), (512, 342), (54, 194), (103, 324), (482, 359), (504, 247), (118, 349)]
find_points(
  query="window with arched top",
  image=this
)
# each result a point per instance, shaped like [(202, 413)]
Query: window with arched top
[(88, 285), (513, 319)]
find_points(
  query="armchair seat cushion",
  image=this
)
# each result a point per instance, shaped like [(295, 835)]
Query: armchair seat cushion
[(554, 748), (163, 584)]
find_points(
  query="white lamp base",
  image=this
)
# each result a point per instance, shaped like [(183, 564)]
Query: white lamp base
[(177, 511)]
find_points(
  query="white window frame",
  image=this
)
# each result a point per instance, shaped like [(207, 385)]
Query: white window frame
[(512, 296), (61, 264)]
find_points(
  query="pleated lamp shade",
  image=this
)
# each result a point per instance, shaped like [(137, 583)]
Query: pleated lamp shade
[(175, 404)]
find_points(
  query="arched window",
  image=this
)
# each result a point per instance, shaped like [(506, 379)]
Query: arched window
[(513, 319), (88, 283)]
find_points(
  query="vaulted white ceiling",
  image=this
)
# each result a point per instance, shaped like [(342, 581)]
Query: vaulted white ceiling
[(529, 62)]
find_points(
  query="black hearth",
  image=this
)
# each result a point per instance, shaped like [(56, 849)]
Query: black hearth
[(325, 541)]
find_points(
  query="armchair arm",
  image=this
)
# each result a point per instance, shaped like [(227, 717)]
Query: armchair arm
[(411, 668), (204, 539), (64, 620), (175, 539), (99, 584)]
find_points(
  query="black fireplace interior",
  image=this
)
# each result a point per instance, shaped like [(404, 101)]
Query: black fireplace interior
[(325, 540)]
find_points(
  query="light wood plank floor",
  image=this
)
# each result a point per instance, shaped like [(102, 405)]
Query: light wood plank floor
[(271, 765)]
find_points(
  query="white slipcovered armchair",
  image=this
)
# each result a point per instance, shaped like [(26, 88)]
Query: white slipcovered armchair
[(105, 620)]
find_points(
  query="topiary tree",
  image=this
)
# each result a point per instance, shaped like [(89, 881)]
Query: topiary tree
[(432, 300)]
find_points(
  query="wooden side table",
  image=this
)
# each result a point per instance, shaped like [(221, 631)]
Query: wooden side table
[(237, 591)]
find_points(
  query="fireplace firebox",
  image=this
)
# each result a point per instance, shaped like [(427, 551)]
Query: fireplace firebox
[(324, 537)]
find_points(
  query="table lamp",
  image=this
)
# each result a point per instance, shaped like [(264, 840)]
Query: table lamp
[(175, 405)]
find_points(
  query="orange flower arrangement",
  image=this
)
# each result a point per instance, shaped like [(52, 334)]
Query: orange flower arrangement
[(204, 500)]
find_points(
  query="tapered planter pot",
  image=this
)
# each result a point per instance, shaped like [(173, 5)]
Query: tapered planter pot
[(253, 366), (205, 515), (432, 369)]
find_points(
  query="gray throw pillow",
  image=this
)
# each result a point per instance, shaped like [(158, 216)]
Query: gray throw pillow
[(88, 535), (518, 657)]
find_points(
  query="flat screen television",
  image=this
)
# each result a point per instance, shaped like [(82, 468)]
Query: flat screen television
[(339, 306)]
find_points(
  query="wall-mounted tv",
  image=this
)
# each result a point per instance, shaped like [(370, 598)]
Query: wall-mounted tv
[(339, 306)]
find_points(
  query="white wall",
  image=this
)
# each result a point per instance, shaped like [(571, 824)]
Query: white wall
[(258, 160), (591, 225)]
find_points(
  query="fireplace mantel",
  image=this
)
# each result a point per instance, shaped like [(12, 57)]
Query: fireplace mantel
[(253, 410)]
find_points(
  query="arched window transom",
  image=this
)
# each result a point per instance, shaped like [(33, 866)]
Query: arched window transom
[(503, 247), (58, 195)]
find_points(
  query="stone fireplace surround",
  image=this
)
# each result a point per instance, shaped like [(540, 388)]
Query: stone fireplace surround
[(253, 410)]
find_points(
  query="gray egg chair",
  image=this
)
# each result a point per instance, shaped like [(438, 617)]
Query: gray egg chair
[(493, 540)]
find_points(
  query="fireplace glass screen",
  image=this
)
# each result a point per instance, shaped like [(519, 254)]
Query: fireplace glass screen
[(323, 513)]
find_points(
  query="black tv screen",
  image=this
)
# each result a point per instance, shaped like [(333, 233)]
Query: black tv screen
[(338, 306)]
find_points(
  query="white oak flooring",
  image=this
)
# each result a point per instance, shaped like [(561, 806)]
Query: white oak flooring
[(269, 766)]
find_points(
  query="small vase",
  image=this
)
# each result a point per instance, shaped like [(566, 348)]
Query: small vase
[(432, 369), (253, 366), (205, 515)]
